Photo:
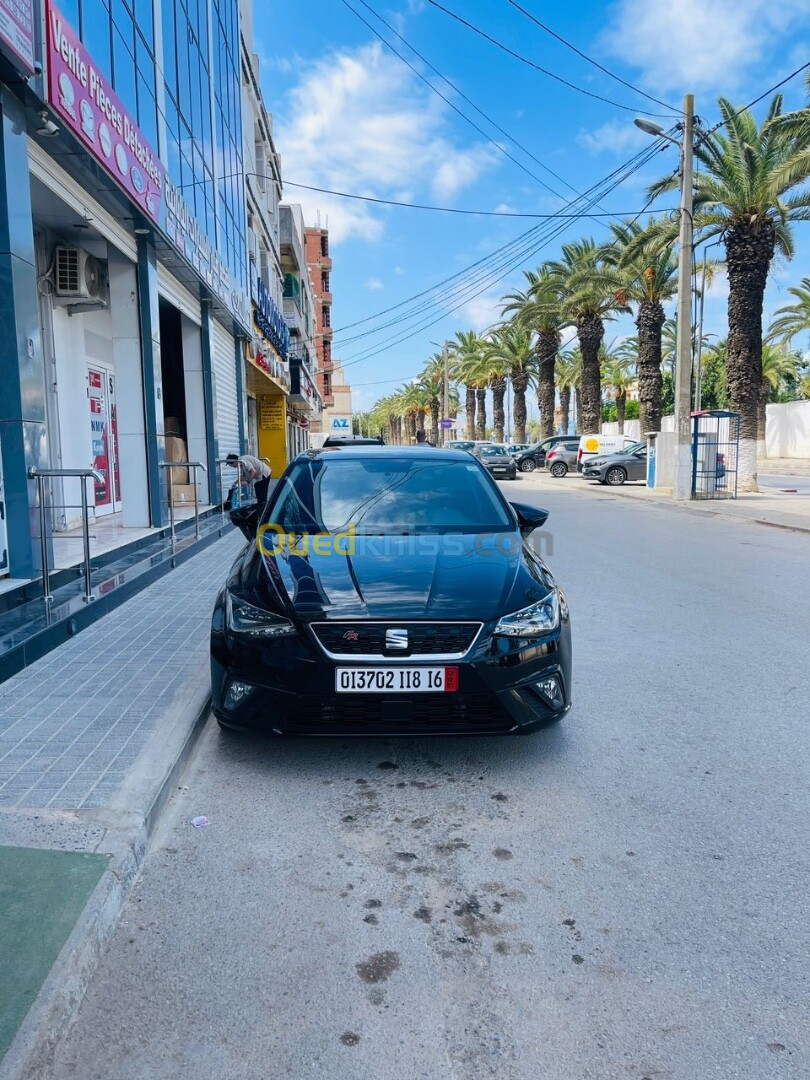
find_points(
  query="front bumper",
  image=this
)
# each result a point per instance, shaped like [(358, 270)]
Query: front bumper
[(292, 688)]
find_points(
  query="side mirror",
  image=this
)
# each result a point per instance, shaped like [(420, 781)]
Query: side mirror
[(529, 517), (246, 519)]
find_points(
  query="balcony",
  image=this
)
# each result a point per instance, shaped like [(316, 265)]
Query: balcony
[(325, 262), (293, 315), (303, 389), (325, 297)]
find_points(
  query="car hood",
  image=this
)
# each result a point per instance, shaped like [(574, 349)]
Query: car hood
[(410, 577)]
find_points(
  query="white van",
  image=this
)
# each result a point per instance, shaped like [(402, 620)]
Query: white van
[(591, 445)]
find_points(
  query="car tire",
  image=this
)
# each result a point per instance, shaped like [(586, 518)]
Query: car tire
[(529, 465), (615, 476), (559, 468)]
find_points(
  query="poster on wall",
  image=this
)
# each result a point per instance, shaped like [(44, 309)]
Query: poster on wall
[(17, 33), (99, 434)]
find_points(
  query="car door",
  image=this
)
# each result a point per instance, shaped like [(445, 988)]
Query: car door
[(637, 465)]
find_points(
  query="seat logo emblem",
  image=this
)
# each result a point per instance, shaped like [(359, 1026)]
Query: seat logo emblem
[(396, 639), (351, 635)]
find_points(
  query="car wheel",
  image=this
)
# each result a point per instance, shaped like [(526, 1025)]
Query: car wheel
[(615, 476), (529, 465), (559, 468)]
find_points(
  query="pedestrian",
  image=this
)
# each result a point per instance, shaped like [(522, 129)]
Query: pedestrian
[(250, 470), (422, 439)]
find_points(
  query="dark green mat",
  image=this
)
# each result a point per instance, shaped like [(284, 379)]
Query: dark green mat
[(42, 894)]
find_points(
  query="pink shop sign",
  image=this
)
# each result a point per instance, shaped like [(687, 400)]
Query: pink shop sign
[(83, 97)]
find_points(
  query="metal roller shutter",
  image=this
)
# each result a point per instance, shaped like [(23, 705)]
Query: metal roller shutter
[(226, 397)]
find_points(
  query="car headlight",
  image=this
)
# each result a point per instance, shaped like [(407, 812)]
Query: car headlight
[(533, 621), (595, 463), (245, 618)]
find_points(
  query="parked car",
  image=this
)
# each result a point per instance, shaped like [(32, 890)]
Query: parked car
[(360, 604), (518, 448), (614, 469), (497, 460), (562, 457), (353, 440), (461, 444), (592, 445), (535, 456)]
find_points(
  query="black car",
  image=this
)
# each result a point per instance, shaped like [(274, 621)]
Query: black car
[(497, 460), (389, 591), (354, 440), (535, 456)]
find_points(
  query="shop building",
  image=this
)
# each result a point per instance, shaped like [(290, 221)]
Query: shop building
[(267, 352), (305, 402), (125, 271), (319, 261)]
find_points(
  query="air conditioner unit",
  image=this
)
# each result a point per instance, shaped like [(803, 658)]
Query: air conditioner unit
[(77, 275)]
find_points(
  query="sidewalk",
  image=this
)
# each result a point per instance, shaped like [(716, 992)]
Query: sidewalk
[(91, 738)]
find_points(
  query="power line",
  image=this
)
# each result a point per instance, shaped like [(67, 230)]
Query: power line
[(469, 100), (756, 101), (427, 82), (444, 209), (641, 156), (538, 67), (590, 59), (536, 246)]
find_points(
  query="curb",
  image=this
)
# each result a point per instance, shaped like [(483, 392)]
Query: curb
[(127, 840), (654, 500)]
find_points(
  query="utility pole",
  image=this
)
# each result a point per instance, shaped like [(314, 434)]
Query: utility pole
[(446, 396), (683, 371)]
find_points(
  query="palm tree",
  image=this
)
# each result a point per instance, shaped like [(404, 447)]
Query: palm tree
[(742, 193), (512, 351), (466, 354), (619, 372), (567, 370), (538, 309), (587, 300), (432, 378), (496, 368), (645, 273), (792, 319)]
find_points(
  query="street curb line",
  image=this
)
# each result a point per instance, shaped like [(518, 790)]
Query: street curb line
[(653, 500), (60, 996)]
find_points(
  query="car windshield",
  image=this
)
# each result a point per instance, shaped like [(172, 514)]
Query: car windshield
[(493, 451), (388, 495), (634, 448)]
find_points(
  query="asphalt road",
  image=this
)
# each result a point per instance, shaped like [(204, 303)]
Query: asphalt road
[(625, 896)]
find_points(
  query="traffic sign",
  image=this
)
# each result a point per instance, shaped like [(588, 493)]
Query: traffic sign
[(445, 423)]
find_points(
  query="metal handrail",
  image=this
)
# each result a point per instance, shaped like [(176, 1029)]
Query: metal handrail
[(184, 465), (238, 467), (41, 475)]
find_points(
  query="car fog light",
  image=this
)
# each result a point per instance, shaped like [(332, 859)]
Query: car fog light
[(237, 693), (551, 690)]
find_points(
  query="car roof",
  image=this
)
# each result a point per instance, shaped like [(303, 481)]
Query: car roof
[(420, 453)]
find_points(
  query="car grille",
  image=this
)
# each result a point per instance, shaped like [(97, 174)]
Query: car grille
[(442, 712), (368, 639)]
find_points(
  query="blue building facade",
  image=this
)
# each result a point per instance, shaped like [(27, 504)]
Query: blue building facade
[(124, 266)]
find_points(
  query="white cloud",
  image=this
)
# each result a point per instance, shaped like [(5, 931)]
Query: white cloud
[(359, 121), (698, 45), (481, 312), (505, 208), (399, 269), (617, 136), (374, 284)]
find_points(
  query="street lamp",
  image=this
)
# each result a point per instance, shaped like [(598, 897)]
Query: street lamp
[(683, 352)]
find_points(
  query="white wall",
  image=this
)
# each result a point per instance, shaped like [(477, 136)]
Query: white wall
[(787, 431), (631, 428)]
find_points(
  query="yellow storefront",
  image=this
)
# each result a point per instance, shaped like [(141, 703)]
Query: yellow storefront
[(268, 383)]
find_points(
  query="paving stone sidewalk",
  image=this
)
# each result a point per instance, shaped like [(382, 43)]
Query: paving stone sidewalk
[(74, 723)]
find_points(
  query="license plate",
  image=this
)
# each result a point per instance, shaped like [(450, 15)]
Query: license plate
[(396, 680)]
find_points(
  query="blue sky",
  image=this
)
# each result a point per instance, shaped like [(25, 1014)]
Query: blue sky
[(350, 116)]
